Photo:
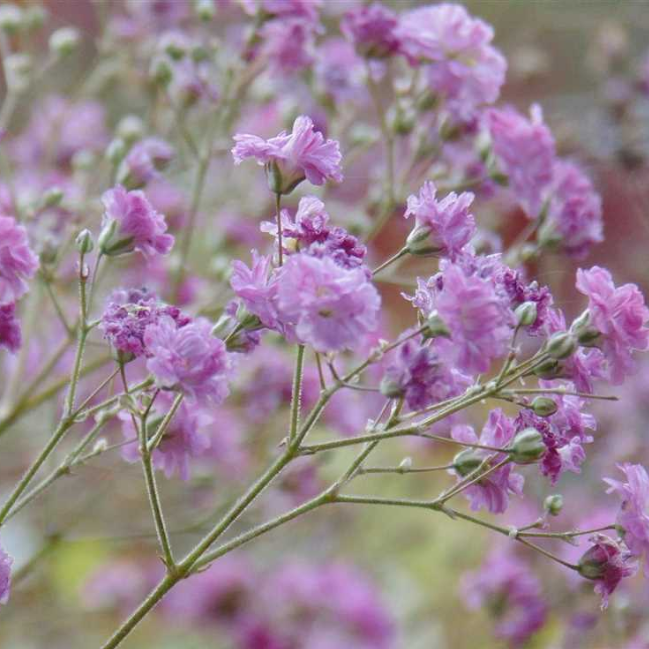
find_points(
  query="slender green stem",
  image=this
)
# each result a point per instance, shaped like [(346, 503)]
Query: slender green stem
[(403, 470), (278, 220), (402, 253), (296, 397), (164, 424), (473, 478), (583, 395)]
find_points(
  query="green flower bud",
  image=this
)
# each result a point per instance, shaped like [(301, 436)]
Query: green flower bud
[(34, 17), (561, 345), (553, 504), (205, 9), (64, 41), (51, 198), (435, 327), (544, 406), (526, 314), (391, 388), (84, 242), (528, 446), (420, 242), (588, 337), (160, 72), (18, 68), (466, 462), (83, 160), (130, 129), (11, 18), (549, 369), (115, 151)]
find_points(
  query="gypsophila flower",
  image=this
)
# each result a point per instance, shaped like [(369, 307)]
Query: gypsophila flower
[(290, 158), (525, 150), (606, 562), (633, 516), (182, 441), (328, 307), (10, 333), (289, 45), (505, 585), (492, 491), (18, 263), (372, 29), (128, 313), (131, 223), (620, 315), (189, 359), (5, 576), (443, 226), (144, 162)]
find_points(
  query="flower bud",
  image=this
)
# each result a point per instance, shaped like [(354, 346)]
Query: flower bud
[(51, 198), (561, 345), (130, 129), (528, 446), (526, 314), (64, 41), (18, 68), (549, 236), (595, 562), (435, 327), (553, 504), (204, 9), (544, 406), (405, 464), (83, 160), (391, 388), (280, 183), (588, 337), (115, 151), (34, 17), (466, 462), (11, 18), (549, 369), (161, 72), (403, 120), (419, 242), (84, 242)]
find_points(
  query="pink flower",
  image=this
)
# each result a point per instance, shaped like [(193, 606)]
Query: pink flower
[(290, 158), (575, 212), (634, 512), (607, 563), (10, 333), (188, 359), (443, 226), (182, 441), (492, 492), (620, 315), (307, 9), (257, 288), (479, 321), (505, 585), (463, 65), (131, 223), (329, 307), (144, 162), (18, 263), (525, 150), (5, 576), (289, 45), (372, 30)]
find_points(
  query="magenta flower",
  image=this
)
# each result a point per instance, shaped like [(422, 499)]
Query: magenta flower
[(575, 213), (310, 233), (128, 314), (257, 288), (290, 158), (419, 374), (634, 511), (491, 492), (306, 9), (182, 441), (620, 315), (329, 307), (18, 263), (606, 562), (10, 332), (506, 586), (189, 359), (443, 226), (144, 162), (289, 45), (479, 321), (525, 150), (372, 29), (5, 576), (131, 223)]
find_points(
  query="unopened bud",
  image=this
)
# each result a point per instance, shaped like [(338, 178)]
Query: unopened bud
[(205, 9), (544, 406), (466, 462), (406, 464), (588, 337), (64, 41), (115, 151), (83, 160), (561, 345), (34, 17), (18, 68), (549, 369), (11, 18), (435, 327), (553, 504), (130, 129), (420, 242), (51, 198), (526, 314), (84, 242), (528, 446), (161, 72), (391, 388)]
